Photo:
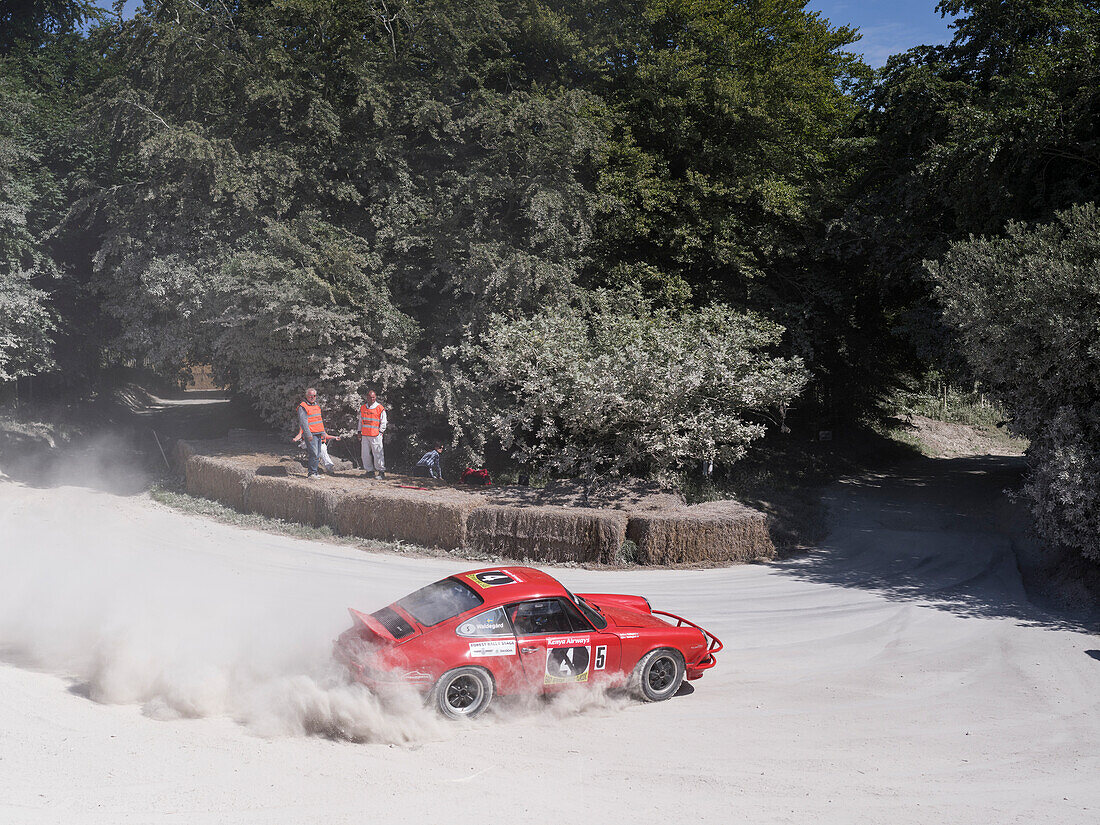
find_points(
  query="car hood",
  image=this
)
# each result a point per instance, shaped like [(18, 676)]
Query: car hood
[(622, 616)]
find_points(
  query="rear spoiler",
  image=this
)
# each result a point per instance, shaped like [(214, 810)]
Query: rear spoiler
[(714, 644), (367, 622)]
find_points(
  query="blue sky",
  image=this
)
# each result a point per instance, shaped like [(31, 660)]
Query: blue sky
[(888, 26)]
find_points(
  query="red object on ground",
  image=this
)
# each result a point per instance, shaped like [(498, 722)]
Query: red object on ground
[(509, 630), (478, 478)]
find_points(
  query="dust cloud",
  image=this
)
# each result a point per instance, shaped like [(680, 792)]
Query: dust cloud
[(92, 591), (138, 605)]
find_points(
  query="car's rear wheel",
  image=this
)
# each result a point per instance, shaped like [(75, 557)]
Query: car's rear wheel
[(658, 675), (463, 693)]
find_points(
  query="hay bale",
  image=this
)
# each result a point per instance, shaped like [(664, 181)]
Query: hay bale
[(718, 532), (292, 498), (184, 450), (432, 517), (218, 478), (547, 533)]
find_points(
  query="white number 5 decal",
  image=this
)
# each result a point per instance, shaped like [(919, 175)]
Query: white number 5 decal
[(601, 657)]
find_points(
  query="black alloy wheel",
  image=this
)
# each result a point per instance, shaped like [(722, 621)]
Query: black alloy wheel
[(658, 675)]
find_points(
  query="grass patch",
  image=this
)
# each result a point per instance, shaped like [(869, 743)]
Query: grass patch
[(936, 438), (932, 396)]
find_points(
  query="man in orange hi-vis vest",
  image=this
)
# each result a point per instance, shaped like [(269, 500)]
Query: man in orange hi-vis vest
[(313, 429), (372, 423)]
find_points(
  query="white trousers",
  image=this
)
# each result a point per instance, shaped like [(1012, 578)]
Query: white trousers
[(373, 460)]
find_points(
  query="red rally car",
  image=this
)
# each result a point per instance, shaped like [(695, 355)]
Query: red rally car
[(513, 630)]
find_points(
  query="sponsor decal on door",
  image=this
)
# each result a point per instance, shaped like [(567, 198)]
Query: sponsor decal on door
[(493, 647), (567, 664)]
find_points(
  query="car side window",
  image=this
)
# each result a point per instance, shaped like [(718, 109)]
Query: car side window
[(546, 616), (490, 623)]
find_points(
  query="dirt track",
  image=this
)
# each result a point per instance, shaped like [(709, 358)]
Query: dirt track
[(160, 668)]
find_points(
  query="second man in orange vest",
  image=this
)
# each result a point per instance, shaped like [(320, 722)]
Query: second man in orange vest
[(372, 423)]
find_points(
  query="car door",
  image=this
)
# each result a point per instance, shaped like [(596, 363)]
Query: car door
[(491, 643), (558, 646)]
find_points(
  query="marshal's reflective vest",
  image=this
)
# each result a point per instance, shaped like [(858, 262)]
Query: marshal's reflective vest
[(370, 420), (313, 417)]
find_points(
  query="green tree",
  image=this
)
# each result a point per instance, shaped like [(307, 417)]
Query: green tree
[(727, 121), (326, 191), (29, 23), (1001, 124), (729, 144), (26, 319)]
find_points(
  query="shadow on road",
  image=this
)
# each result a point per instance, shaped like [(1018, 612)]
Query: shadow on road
[(945, 532)]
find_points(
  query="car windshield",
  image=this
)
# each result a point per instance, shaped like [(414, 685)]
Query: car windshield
[(591, 613), (440, 601)]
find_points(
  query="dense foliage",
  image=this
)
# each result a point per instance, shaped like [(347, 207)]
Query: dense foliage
[(26, 320), (412, 194), (1027, 308), (1001, 124)]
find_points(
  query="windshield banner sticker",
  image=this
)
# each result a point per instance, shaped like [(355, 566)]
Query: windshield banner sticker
[(493, 647), (566, 664), (493, 578)]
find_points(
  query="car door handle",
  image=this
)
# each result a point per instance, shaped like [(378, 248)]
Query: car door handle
[(528, 649)]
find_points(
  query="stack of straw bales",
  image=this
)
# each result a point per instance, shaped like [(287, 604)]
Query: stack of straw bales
[(433, 518), (666, 532), (184, 451), (548, 533), (219, 478), (718, 532), (291, 499)]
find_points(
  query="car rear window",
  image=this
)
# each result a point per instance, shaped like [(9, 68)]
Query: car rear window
[(440, 601), (390, 619)]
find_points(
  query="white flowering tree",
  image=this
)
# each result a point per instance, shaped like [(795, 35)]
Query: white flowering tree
[(614, 386), (1026, 306)]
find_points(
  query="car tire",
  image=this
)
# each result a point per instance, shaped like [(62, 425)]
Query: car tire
[(658, 675), (462, 693)]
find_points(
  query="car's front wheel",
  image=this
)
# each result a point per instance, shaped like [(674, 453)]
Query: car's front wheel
[(462, 693), (658, 675)]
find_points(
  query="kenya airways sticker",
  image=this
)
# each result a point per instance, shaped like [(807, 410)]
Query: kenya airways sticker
[(567, 664), (493, 578)]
